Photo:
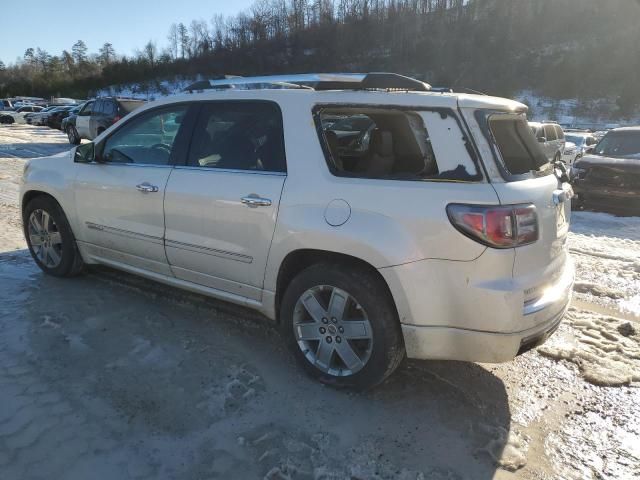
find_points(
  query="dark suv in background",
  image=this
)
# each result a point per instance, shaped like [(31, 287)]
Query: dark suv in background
[(95, 118)]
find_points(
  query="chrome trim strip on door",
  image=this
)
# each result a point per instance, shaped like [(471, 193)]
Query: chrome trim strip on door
[(125, 233), (209, 251)]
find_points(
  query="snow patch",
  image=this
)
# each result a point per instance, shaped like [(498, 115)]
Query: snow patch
[(605, 349), (507, 448)]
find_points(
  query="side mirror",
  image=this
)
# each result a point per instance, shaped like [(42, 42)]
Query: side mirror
[(542, 139), (84, 153)]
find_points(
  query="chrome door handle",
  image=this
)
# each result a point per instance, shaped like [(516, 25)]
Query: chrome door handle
[(146, 187), (254, 200)]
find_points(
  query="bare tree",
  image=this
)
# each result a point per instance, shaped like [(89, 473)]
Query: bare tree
[(174, 40)]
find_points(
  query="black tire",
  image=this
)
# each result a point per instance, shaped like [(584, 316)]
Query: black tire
[(372, 294), (71, 263), (72, 135)]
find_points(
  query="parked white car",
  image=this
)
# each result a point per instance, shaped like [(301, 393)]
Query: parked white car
[(444, 239), (18, 115)]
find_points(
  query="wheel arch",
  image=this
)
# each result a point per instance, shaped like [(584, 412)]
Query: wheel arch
[(298, 260)]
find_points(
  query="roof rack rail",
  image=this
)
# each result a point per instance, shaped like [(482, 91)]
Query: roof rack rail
[(317, 81)]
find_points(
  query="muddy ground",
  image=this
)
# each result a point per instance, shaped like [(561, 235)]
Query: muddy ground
[(108, 376)]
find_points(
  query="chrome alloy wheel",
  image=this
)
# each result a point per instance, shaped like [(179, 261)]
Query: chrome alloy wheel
[(332, 330), (45, 238)]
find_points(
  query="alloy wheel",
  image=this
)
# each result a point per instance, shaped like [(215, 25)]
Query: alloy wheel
[(332, 330), (45, 238)]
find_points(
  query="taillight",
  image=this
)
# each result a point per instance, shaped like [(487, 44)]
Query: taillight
[(116, 118), (496, 226)]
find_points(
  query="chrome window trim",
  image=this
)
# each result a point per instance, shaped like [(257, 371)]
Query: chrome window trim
[(230, 170)]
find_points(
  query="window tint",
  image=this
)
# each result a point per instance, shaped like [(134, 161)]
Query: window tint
[(519, 149), (239, 136), (550, 133), (97, 107), (147, 139)]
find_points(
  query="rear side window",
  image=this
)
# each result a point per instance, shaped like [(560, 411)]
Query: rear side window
[(239, 136), (110, 108), (559, 132), (395, 144), (550, 133), (519, 149)]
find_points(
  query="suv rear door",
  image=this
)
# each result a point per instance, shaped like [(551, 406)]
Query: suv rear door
[(221, 205)]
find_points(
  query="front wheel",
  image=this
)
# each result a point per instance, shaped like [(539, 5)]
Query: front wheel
[(72, 135), (342, 326), (51, 242)]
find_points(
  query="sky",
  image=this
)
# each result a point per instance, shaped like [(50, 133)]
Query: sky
[(127, 24)]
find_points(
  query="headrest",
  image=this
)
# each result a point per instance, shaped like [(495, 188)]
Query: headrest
[(381, 142)]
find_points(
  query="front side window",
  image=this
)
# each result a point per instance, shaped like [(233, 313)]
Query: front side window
[(519, 149), (239, 136), (146, 139), (86, 110), (395, 144)]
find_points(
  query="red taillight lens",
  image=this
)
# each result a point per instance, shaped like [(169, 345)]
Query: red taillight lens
[(496, 226), (116, 118)]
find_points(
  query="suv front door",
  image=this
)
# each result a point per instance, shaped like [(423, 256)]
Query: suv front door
[(119, 199), (221, 207), (83, 119)]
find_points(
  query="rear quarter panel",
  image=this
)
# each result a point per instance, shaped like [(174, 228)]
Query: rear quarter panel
[(390, 222)]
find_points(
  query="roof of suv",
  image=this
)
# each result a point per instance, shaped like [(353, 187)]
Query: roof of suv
[(374, 88), (626, 129)]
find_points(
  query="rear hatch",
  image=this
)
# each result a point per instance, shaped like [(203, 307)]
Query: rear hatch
[(525, 176)]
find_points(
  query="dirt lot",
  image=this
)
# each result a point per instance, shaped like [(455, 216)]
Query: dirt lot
[(111, 377)]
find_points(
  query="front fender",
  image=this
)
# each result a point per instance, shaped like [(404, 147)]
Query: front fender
[(53, 176)]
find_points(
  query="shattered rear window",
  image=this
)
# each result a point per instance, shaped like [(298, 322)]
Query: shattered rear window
[(520, 150), (395, 144)]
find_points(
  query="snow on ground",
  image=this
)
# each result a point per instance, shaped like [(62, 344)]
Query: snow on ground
[(111, 376), (606, 250)]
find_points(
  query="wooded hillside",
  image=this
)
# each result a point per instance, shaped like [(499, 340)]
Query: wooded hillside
[(560, 48)]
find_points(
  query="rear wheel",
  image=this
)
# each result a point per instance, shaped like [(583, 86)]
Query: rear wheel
[(51, 242), (342, 326)]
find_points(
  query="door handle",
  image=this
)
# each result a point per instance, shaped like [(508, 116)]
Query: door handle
[(254, 200), (146, 187)]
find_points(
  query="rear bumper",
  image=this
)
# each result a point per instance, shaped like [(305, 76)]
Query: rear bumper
[(438, 343), (450, 312)]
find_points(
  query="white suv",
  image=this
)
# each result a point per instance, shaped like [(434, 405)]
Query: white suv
[(370, 217)]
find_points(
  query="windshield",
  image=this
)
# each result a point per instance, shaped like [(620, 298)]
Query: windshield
[(577, 139), (619, 144)]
